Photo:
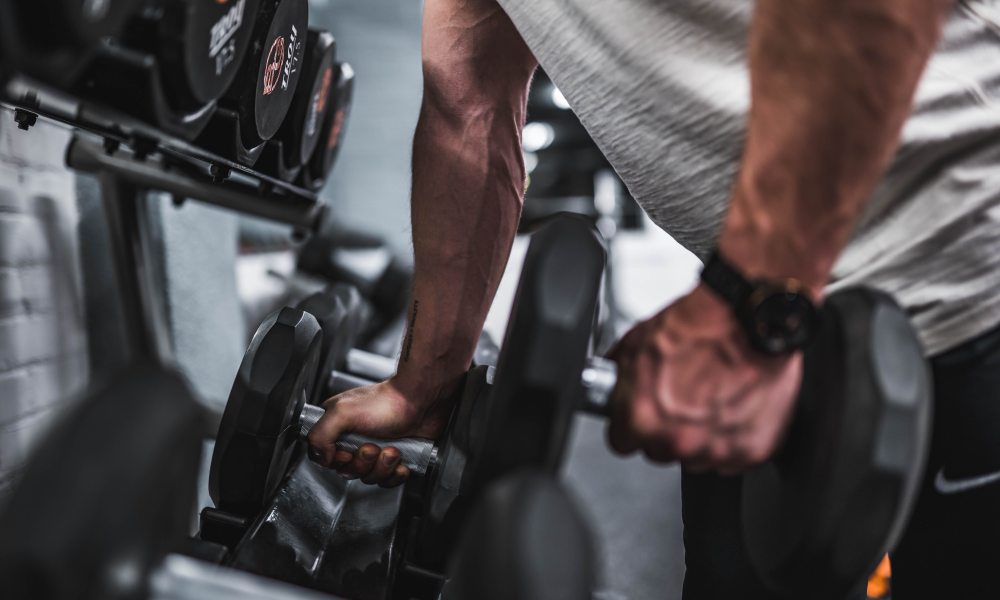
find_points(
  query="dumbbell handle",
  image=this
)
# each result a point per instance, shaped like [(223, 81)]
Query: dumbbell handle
[(598, 380), (416, 454)]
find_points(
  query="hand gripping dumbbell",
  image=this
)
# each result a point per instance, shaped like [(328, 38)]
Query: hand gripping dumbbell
[(822, 510), (835, 496), (418, 455)]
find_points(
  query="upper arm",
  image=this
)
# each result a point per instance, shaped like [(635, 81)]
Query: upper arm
[(473, 55)]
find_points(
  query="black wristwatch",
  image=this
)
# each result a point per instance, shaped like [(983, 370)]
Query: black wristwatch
[(777, 316)]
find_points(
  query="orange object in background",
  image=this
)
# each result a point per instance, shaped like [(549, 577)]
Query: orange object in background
[(879, 582)]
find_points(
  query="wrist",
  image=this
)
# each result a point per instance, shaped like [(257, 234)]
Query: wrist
[(423, 386), (761, 245), (703, 312)]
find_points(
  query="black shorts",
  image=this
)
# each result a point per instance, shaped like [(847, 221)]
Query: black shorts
[(951, 547)]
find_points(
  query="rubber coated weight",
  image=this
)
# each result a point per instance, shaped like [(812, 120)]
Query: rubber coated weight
[(53, 40), (199, 45), (106, 494), (303, 125), (73, 22), (342, 315), (259, 428), (525, 540), (321, 162), (263, 90), (835, 498), (537, 387)]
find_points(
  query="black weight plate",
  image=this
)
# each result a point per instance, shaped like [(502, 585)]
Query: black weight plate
[(108, 492), (527, 540), (342, 314), (332, 135), (199, 45), (82, 22), (263, 90), (259, 428), (537, 383), (303, 125), (821, 514)]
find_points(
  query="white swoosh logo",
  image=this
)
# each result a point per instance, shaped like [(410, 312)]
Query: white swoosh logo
[(947, 487)]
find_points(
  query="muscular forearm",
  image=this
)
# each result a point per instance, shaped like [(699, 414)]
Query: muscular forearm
[(468, 186), (832, 83)]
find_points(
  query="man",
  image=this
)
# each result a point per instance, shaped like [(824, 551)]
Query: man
[(765, 136)]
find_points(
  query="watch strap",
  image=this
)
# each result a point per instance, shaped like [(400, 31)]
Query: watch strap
[(723, 279)]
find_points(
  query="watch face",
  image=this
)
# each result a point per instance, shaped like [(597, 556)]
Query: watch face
[(781, 322)]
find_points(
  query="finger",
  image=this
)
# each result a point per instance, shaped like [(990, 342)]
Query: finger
[(342, 457), (399, 475), (385, 466), (322, 438), (364, 460), (620, 436)]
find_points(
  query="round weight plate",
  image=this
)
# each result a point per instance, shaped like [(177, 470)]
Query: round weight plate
[(108, 492), (537, 383), (259, 428), (342, 314), (303, 126), (86, 21), (332, 133), (216, 37), (263, 89), (281, 66), (200, 45), (827, 507), (527, 540)]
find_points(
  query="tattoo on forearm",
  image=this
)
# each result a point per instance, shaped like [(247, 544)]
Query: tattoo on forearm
[(408, 340)]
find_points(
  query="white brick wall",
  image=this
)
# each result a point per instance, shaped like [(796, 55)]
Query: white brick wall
[(43, 344)]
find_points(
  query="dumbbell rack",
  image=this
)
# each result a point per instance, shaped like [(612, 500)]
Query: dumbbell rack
[(131, 158)]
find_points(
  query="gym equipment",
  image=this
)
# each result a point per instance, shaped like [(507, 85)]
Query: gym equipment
[(866, 369), (198, 45), (257, 434), (107, 494), (834, 499), (825, 509), (254, 106), (53, 40), (342, 315), (295, 141), (320, 163), (364, 261), (524, 540)]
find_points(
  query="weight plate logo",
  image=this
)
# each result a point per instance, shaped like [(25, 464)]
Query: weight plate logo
[(338, 125), (319, 102), (226, 27), (275, 62)]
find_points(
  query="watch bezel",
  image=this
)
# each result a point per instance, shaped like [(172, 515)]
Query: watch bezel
[(765, 291)]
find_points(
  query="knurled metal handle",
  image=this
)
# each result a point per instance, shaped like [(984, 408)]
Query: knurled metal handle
[(415, 453)]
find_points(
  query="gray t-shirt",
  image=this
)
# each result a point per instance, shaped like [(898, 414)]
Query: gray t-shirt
[(663, 88)]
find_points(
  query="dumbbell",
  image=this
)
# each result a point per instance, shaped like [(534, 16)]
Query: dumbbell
[(834, 498), (255, 105), (199, 45), (107, 494), (317, 168), (824, 509), (54, 39), (303, 126)]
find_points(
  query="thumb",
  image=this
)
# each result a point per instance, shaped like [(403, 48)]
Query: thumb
[(323, 436)]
